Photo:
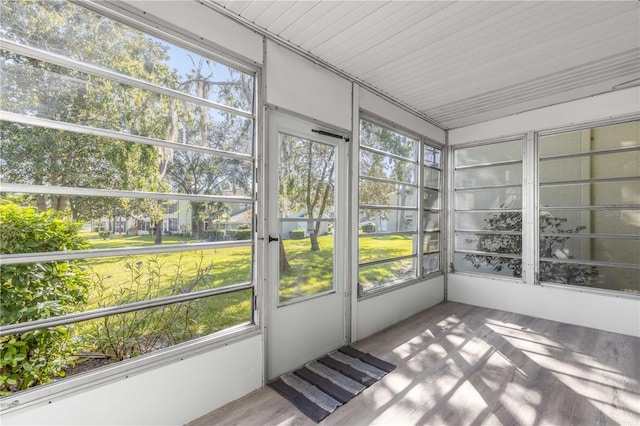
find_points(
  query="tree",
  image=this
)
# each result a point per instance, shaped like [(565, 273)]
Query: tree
[(550, 247), (196, 173), (41, 156), (379, 166), (307, 181)]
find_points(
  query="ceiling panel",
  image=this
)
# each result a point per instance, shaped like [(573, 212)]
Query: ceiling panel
[(461, 62)]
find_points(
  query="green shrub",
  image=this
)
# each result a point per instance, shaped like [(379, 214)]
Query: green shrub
[(34, 291), (131, 334), (215, 234), (104, 234), (243, 234), (368, 227), (296, 234)]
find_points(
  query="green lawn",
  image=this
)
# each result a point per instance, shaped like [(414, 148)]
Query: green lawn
[(380, 248), (310, 272), (126, 279)]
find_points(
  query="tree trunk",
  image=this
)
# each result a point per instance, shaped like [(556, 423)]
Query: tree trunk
[(159, 232), (60, 202), (314, 241), (41, 202), (284, 263)]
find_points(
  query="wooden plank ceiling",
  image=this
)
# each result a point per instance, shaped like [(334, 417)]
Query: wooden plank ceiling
[(462, 62)]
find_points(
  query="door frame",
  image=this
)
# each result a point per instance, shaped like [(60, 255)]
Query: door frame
[(296, 125)]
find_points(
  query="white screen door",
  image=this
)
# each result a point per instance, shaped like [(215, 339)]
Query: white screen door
[(306, 244)]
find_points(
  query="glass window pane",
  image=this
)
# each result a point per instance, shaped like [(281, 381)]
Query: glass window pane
[(621, 222), (591, 194), (385, 167), (383, 139), (430, 221), (382, 247), (595, 249), (374, 276), (492, 243), (306, 192), (605, 166), (42, 156), (431, 199), (492, 198), (503, 221), (74, 97), (431, 242), (304, 272), (431, 177), (109, 281), (622, 135), (389, 220), (510, 174), (388, 194), (603, 277), (431, 156), (557, 227), (486, 154), (431, 263), (105, 222), (495, 265), (306, 178), (377, 193), (125, 336), (122, 49)]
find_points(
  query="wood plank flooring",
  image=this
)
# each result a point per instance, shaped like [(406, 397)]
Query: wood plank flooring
[(464, 365)]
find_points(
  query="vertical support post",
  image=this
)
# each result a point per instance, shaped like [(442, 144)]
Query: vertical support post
[(351, 286), (529, 209)]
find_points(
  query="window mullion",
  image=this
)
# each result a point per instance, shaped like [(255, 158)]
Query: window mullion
[(529, 211)]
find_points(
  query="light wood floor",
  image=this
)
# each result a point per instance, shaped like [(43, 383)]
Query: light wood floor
[(463, 365)]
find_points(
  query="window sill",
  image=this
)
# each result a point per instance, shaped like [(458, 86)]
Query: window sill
[(397, 286), (125, 369)]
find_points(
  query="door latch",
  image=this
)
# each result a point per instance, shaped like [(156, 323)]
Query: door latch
[(272, 238)]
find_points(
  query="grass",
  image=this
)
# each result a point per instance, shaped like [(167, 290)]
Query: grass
[(126, 279), (133, 278), (310, 272), (385, 247), (96, 242)]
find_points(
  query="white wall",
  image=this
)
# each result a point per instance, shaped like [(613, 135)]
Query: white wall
[(570, 305), (298, 85), (373, 103), (379, 312), (610, 313), (172, 394)]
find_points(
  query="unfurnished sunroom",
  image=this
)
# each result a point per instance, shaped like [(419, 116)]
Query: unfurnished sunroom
[(199, 197)]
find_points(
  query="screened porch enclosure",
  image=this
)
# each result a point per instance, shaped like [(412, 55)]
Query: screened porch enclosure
[(200, 196)]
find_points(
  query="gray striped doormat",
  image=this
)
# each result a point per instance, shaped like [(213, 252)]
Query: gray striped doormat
[(321, 386)]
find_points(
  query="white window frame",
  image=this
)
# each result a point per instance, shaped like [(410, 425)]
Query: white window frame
[(535, 158), (419, 210)]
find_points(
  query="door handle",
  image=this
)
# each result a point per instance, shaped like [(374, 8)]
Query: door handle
[(272, 239)]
